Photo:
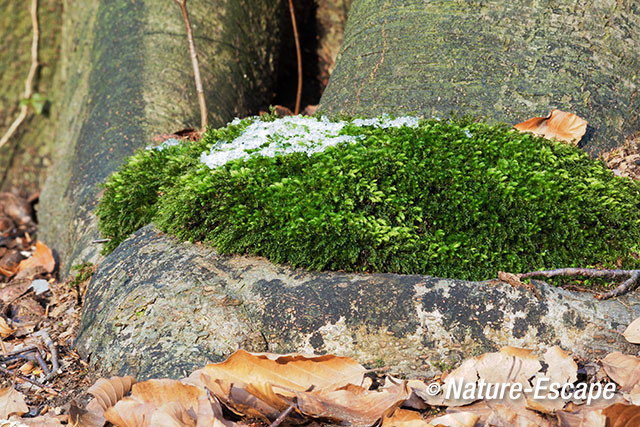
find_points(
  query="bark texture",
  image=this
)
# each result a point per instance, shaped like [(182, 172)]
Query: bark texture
[(25, 158), (158, 307), (501, 60), (127, 77)]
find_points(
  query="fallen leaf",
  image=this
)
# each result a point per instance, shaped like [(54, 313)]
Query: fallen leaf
[(161, 402), (91, 416), (10, 263), (621, 415), (459, 419), (582, 418), (5, 329), (14, 289), (245, 382), (404, 418), (41, 421), (623, 369), (110, 391), (632, 333), (42, 257), (559, 125), (634, 395), (352, 404), (12, 403)]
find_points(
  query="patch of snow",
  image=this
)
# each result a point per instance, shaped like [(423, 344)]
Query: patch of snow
[(166, 144), (292, 134)]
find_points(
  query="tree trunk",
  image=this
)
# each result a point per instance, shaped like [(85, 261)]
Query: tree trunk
[(502, 60), (127, 76)]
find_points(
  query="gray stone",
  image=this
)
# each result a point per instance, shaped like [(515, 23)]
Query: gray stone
[(159, 307)]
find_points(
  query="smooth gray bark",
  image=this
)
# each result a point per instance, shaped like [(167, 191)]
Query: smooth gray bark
[(127, 76), (500, 60)]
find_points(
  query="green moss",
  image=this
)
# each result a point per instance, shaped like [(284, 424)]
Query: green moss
[(426, 200)]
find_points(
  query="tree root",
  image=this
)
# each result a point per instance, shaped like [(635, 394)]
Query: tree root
[(632, 278)]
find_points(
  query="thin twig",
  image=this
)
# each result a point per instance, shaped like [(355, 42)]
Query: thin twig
[(631, 283), (204, 115), (29, 380), (282, 416), (298, 57), (52, 349), (28, 84)]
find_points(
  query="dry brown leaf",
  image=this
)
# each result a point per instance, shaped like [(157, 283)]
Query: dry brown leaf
[(109, 391), (459, 419), (41, 421), (5, 329), (91, 416), (623, 369), (404, 418), (12, 403), (621, 415), (632, 333), (352, 404), (559, 125), (130, 412), (583, 417), (163, 401), (561, 369), (10, 262), (245, 382), (42, 257), (634, 395), (503, 415)]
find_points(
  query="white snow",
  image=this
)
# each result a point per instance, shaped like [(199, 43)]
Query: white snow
[(292, 134)]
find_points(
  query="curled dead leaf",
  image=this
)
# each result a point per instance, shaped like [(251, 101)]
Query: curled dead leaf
[(16, 208), (352, 404), (108, 392), (247, 383), (622, 415), (5, 329), (42, 257), (559, 125), (632, 333), (623, 369)]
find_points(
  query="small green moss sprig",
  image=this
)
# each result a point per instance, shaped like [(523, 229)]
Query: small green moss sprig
[(446, 198)]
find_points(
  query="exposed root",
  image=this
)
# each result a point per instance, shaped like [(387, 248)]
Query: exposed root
[(632, 278), (296, 110)]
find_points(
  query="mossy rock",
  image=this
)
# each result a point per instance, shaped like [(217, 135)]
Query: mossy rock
[(450, 198)]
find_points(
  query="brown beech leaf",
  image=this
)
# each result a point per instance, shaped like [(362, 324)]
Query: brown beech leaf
[(459, 419), (5, 329), (130, 412), (42, 257), (632, 333), (352, 404), (559, 125), (41, 421), (245, 382), (14, 289), (109, 391), (10, 263), (12, 403), (623, 369), (621, 415), (91, 416), (163, 401), (404, 418)]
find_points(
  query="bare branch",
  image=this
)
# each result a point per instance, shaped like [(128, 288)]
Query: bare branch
[(204, 115), (298, 57)]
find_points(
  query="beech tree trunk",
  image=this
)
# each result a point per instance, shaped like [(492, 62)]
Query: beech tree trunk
[(127, 77), (496, 59)]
